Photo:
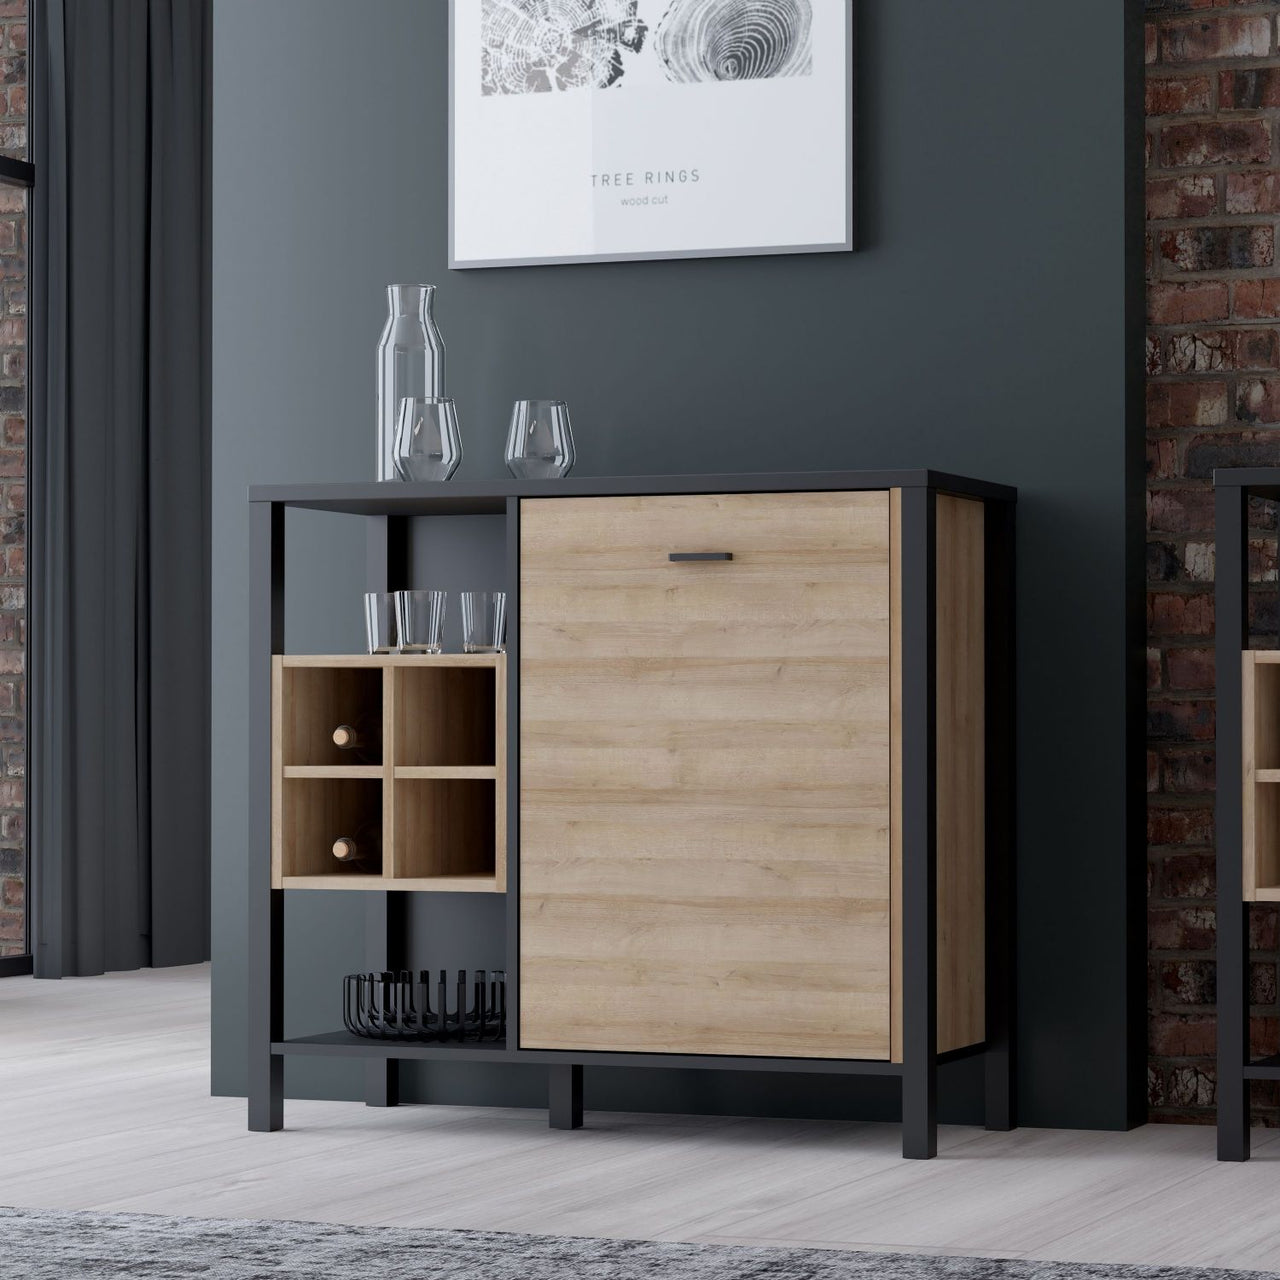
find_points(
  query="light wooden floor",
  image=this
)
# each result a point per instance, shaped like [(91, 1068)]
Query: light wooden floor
[(106, 1107)]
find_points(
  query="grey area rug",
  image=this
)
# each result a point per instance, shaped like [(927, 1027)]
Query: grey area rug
[(43, 1245)]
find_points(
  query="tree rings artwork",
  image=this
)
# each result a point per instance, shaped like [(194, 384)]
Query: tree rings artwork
[(543, 46), (590, 130)]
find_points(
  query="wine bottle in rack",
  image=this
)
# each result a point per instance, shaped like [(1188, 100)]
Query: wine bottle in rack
[(363, 850), (362, 737)]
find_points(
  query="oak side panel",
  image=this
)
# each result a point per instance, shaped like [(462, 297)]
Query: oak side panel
[(961, 731), (705, 775), (895, 769)]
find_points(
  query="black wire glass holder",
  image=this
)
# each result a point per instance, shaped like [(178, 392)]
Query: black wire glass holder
[(405, 1006)]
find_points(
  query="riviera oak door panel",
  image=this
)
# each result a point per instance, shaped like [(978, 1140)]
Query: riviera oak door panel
[(705, 775)]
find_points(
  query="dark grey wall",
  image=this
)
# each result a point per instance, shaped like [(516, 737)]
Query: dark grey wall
[(979, 329)]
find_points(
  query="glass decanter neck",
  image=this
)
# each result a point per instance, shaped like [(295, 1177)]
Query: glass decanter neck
[(410, 299)]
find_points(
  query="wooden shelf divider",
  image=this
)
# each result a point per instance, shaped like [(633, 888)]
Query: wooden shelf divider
[(447, 772), (374, 771)]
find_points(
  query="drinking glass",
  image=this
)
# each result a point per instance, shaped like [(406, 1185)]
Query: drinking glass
[(540, 441), (484, 621), (420, 621), (428, 444), (380, 621)]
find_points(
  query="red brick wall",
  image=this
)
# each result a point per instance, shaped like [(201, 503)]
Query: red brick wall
[(1213, 399), (13, 492)]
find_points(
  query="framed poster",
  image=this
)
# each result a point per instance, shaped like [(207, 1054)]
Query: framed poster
[(611, 130)]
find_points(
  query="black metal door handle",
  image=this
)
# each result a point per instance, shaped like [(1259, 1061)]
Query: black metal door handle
[(680, 556)]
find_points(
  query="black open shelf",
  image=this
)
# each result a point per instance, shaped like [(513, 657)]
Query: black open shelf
[(343, 1044), (1264, 1069)]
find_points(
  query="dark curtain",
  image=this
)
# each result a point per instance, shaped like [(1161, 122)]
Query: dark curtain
[(119, 486)]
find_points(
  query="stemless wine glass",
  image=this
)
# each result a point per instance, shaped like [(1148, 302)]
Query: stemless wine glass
[(380, 621), (484, 621), (428, 444), (420, 621), (540, 441)]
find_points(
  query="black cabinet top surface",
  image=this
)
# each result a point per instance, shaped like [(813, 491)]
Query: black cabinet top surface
[(489, 497), (1264, 482)]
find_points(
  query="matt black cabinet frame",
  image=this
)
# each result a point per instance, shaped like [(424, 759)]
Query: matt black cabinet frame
[(386, 509)]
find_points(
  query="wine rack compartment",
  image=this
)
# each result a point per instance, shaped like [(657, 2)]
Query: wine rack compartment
[(445, 828), (317, 812), (1260, 684), (419, 789), (321, 700), (445, 717)]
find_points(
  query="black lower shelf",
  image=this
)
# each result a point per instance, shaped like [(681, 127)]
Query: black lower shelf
[(345, 1045), (1264, 1069)]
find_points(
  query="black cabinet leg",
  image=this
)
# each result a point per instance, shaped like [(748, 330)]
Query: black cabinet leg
[(1234, 1111), (564, 1086), (266, 1095), (920, 1113), (382, 1083), (266, 1006), (384, 947), (1000, 1114)]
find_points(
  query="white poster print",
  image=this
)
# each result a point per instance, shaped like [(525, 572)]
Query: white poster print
[(609, 129)]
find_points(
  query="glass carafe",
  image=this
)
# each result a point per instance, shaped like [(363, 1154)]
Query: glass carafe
[(410, 362)]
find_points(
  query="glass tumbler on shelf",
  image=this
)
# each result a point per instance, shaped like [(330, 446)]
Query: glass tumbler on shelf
[(420, 621), (380, 621), (428, 445), (540, 440), (484, 621), (410, 362)]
